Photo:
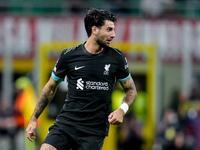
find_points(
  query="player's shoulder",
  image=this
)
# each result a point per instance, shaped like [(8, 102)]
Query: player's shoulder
[(115, 51), (71, 49)]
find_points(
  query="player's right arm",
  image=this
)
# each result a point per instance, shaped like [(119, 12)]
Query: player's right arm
[(46, 96)]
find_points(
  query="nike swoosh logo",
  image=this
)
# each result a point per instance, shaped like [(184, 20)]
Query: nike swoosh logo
[(77, 68)]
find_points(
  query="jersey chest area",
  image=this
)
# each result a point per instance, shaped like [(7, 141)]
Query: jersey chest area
[(100, 68)]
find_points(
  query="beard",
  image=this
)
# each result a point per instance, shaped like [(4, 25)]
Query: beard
[(100, 41)]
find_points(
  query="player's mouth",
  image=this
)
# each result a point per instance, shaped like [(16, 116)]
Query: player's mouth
[(108, 41)]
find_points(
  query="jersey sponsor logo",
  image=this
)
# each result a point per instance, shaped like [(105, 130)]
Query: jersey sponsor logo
[(77, 68), (91, 85), (80, 84), (107, 67)]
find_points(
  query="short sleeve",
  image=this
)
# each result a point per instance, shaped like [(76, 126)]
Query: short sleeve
[(59, 71), (123, 70)]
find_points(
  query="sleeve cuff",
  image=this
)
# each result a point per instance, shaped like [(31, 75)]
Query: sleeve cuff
[(125, 78), (56, 78)]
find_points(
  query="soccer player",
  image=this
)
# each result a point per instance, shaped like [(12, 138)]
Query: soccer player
[(92, 68)]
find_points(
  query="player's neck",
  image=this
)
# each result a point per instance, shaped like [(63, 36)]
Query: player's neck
[(92, 47)]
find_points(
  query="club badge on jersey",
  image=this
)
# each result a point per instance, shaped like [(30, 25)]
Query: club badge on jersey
[(107, 67)]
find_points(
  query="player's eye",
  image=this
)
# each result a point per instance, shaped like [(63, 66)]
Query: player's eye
[(109, 29)]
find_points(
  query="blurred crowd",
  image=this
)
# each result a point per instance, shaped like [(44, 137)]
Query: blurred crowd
[(14, 116), (150, 8), (179, 128)]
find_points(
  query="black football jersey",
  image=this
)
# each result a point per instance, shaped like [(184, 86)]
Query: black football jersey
[(90, 78)]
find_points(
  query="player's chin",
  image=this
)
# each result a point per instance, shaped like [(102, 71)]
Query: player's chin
[(107, 43)]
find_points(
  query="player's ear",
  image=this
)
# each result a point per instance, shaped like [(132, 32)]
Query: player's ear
[(95, 30)]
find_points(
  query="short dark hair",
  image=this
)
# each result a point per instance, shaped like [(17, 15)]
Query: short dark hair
[(97, 17)]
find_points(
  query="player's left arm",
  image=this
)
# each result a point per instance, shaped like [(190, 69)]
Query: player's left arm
[(130, 91), (128, 85)]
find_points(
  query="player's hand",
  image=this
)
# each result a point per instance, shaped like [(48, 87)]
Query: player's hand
[(30, 130), (116, 117)]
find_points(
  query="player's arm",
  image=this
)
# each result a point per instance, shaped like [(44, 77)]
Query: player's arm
[(128, 85), (46, 96), (130, 91)]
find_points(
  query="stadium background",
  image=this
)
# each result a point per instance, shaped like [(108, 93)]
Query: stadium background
[(171, 27)]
